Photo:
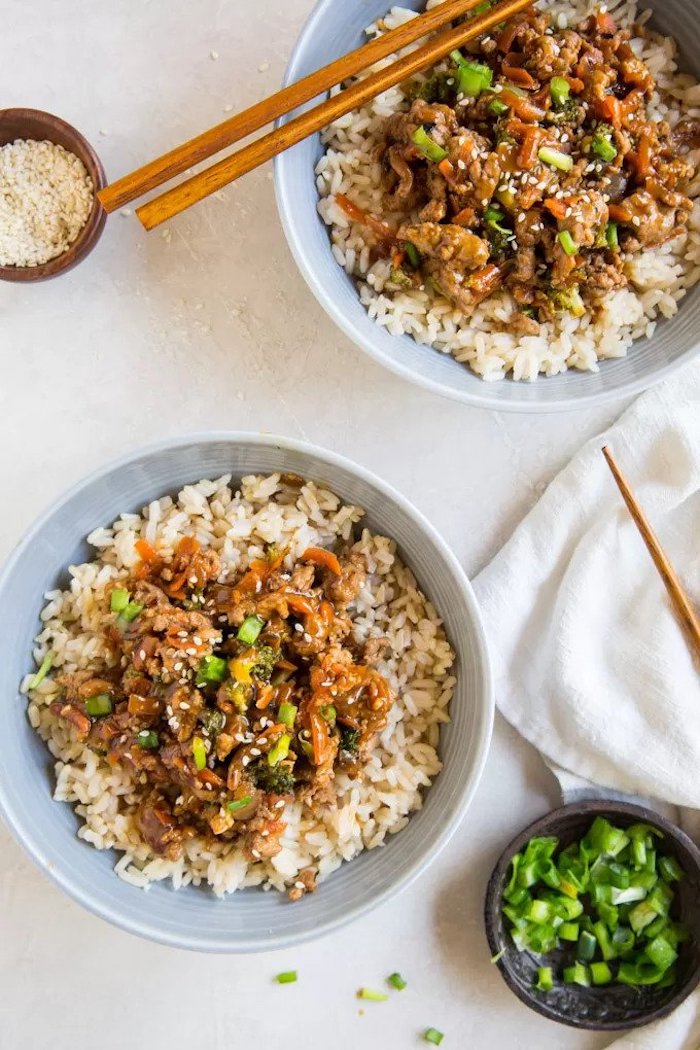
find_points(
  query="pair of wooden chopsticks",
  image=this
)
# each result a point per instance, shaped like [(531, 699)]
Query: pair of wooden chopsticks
[(196, 188), (685, 611)]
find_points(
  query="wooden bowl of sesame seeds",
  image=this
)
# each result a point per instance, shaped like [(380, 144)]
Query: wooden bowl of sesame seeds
[(44, 234)]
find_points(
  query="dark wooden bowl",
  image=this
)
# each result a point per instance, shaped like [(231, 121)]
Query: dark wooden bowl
[(35, 124), (615, 1006)]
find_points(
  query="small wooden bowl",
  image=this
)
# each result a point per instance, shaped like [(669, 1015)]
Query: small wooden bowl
[(35, 124), (610, 1007)]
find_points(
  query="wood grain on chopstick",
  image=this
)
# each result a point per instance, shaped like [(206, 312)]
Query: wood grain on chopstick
[(238, 127), (682, 604), (195, 189)]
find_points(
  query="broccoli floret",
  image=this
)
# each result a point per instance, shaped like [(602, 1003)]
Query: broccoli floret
[(349, 740), (265, 663), (568, 299), (274, 780), (498, 238), (213, 721), (567, 113), (436, 88), (400, 278)]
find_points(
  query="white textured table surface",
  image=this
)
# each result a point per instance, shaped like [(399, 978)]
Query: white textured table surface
[(210, 326)]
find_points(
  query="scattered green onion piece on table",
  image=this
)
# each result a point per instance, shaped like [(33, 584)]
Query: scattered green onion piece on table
[(432, 1035), (287, 714), (545, 979), (99, 706), (130, 612), (288, 977), (250, 629), (413, 255), (239, 803), (427, 146), (119, 599), (372, 996), (396, 981), (567, 242), (147, 739), (199, 752), (46, 665), (556, 159), (280, 751), (212, 669), (560, 91)]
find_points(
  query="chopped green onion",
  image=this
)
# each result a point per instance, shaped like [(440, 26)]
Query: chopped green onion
[(147, 739), (560, 91), (628, 896), (432, 1035), (288, 977), (602, 939), (587, 944), (46, 665), (413, 255), (545, 979), (396, 981), (669, 868), (280, 751), (287, 714), (514, 89), (473, 78), (661, 953), (603, 147), (239, 803), (199, 752), (601, 973), (567, 242), (577, 974), (568, 931), (130, 612), (119, 599), (100, 705), (328, 713), (612, 237), (250, 629), (498, 956), (371, 995), (497, 107), (556, 158), (427, 146), (211, 669)]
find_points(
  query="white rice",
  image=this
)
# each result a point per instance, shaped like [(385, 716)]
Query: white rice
[(238, 525), (659, 278)]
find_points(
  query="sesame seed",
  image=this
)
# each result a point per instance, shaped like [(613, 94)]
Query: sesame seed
[(299, 885), (191, 652), (238, 737), (197, 640), (262, 741), (461, 164), (299, 628), (265, 833), (142, 654), (255, 752), (193, 579), (280, 804), (184, 706), (255, 854), (637, 221), (207, 787), (245, 760)]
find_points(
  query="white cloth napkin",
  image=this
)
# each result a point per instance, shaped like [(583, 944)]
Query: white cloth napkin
[(590, 663)]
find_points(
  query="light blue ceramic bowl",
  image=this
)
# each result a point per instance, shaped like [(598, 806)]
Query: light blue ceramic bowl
[(251, 920), (336, 27)]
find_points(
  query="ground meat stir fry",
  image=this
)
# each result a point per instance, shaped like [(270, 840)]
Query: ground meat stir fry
[(229, 699), (530, 164)]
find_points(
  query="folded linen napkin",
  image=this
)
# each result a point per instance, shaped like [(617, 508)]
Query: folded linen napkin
[(590, 663)]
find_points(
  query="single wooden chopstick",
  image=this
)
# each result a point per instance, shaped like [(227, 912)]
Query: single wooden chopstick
[(689, 619), (238, 127), (195, 189)]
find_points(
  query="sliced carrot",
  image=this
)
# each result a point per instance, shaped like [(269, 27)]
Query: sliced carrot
[(145, 551), (358, 214), (300, 604), (610, 109), (556, 208), (447, 170), (465, 217), (322, 557), (319, 737), (641, 158), (505, 40), (397, 259), (531, 142), (206, 776), (518, 76), (266, 694), (483, 282), (576, 84), (618, 213), (521, 107), (605, 23)]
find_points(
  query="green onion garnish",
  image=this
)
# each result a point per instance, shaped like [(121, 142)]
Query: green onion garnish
[(555, 158), (287, 714), (396, 981), (371, 995), (99, 705), (432, 1035), (211, 669), (603, 147), (199, 752), (560, 91), (567, 242), (46, 665), (601, 973), (427, 146), (611, 236), (497, 107), (288, 977), (130, 611), (239, 803), (280, 751), (577, 974), (413, 255), (472, 78), (147, 739), (119, 599), (669, 868), (328, 713), (250, 629)]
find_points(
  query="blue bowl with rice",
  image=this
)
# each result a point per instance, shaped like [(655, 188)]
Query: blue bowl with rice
[(74, 812), (645, 331)]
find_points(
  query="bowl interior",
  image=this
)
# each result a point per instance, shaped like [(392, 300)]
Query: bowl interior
[(616, 1006), (250, 919), (333, 29), (35, 124)]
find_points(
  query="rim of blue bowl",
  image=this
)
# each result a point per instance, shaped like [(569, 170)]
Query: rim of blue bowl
[(284, 196), (412, 869)]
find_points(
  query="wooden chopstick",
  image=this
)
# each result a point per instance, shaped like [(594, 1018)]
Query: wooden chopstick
[(195, 189), (682, 604), (238, 127)]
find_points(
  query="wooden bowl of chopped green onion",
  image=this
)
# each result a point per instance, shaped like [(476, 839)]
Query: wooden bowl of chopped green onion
[(593, 915)]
